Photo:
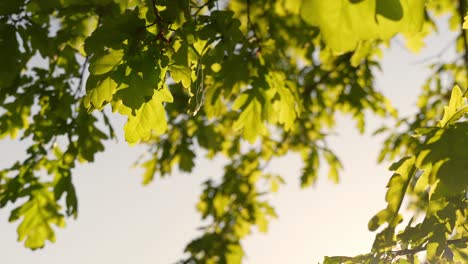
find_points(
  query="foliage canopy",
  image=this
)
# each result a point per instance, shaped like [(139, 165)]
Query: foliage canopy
[(248, 80)]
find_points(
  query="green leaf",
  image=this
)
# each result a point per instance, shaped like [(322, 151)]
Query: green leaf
[(138, 83), (89, 136), (410, 24), (456, 101), (284, 104), (334, 166), (444, 153), (8, 7), (10, 65), (250, 118), (345, 23), (234, 254), (151, 117), (65, 185), (220, 204), (100, 92), (404, 171), (105, 63), (181, 74), (186, 158), (214, 104), (391, 9), (38, 214), (362, 51), (384, 240), (342, 23), (150, 167), (310, 170)]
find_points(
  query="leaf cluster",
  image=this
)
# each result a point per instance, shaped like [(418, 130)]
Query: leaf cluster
[(250, 81)]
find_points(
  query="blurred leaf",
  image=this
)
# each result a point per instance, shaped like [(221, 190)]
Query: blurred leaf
[(250, 118), (105, 63), (344, 23), (38, 214), (181, 74)]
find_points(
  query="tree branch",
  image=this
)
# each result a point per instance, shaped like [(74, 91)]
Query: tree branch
[(199, 8), (462, 12), (250, 25), (422, 248), (80, 83)]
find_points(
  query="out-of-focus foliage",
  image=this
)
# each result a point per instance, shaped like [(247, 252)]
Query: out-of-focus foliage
[(247, 80), (344, 24)]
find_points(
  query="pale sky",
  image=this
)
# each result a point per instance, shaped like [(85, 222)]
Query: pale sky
[(122, 222)]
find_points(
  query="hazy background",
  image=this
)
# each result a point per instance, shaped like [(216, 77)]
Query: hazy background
[(122, 222)]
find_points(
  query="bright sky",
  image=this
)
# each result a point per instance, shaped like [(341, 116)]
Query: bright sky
[(122, 222)]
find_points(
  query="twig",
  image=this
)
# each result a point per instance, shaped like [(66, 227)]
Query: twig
[(201, 7), (422, 248), (250, 25), (83, 68), (462, 12), (438, 54)]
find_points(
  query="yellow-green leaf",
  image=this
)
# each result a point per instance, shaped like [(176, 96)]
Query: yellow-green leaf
[(99, 92), (150, 117), (456, 101), (250, 118), (181, 74), (105, 63), (344, 23), (404, 171), (38, 214)]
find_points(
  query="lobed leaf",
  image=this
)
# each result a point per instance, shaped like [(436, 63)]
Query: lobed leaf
[(151, 117), (182, 74), (456, 101), (250, 118), (345, 23), (38, 215), (105, 63)]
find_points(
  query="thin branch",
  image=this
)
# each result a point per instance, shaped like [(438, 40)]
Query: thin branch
[(250, 25), (83, 68), (159, 23), (158, 18), (200, 8), (439, 54), (415, 250), (283, 141), (462, 12)]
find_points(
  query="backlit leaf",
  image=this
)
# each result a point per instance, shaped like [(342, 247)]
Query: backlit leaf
[(345, 23), (397, 186), (38, 214), (181, 74), (105, 63), (250, 118), (151, 117), (456, 101), (100, 92)]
